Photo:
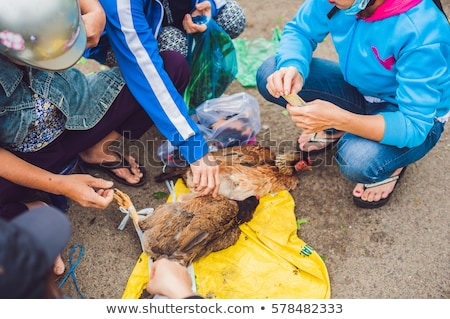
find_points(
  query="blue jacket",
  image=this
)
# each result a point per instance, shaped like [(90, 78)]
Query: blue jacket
[(399, 55), (132, 28), (82, 99)]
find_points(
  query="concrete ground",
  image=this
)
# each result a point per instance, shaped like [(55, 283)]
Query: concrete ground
[(398, 251)]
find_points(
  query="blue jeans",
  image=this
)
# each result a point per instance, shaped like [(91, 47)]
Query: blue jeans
[(360, 160)]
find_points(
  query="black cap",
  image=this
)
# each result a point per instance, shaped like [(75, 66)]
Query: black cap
[(29, 245)]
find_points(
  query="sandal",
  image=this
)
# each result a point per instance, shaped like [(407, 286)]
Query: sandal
[(328, 142), (365, 204), (121, 163)]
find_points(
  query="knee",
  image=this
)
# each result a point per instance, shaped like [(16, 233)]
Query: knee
[(173, 39), (232, 19), (177, 68), (263, 72), (355, 159)]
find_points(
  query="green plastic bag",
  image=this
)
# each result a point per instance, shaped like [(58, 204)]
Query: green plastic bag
[(251, 54), (213, 62)]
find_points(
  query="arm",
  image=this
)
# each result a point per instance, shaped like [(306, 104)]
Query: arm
[(319, 115), (94, 20), (201, 9), (216, 6), (169, 278), (78, 187), (299, 40), (136, 50)]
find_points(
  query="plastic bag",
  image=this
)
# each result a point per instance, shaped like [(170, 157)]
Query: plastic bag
[(251, 54), (213, 61), (227, 121), (268, 261)]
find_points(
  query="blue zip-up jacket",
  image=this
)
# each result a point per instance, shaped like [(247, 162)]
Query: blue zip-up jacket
[(132, 28), (397, 55)]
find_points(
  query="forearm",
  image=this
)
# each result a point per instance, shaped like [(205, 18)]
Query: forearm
[(367, 126), (90, 6), (20, 172), (94, 20)]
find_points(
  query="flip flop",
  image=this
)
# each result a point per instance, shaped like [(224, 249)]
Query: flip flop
[(314, 139), (365, 204), (122, 163)]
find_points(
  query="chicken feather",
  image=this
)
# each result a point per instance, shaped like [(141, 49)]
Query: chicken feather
[(191, 229), (248, 170)]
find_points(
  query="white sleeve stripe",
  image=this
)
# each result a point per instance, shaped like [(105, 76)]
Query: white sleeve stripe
[(150, 72)]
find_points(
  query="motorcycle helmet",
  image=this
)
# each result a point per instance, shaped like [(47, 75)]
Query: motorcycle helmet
[(48, 34)]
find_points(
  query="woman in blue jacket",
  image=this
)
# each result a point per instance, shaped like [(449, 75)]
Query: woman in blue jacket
[(387, 98)]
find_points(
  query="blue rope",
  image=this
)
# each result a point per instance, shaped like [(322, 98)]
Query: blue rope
[(71, 271)]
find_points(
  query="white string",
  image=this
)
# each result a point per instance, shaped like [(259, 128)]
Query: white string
[(171, 188)]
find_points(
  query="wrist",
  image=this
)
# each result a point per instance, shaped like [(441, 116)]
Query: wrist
[(181, 294)]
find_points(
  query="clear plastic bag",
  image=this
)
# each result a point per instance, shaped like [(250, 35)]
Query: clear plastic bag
[(227, 121)]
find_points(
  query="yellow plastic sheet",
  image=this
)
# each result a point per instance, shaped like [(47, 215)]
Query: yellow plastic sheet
[(268, 261)]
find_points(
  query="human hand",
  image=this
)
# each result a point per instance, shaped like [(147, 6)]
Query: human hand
[(81, 189), (169, 278), (201, 9), (284, 81), (94, 20), (316, 116), (205, 176)]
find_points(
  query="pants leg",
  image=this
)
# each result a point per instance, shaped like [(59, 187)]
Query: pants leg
[(173, 39), (325, 82), (178, 69), (364, 161), (360, 160), (232, 18)]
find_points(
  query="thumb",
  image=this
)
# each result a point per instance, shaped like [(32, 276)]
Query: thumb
[(101, 183), (202, 5)]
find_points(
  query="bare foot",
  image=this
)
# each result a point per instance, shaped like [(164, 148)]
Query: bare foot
[(374, 194), (132, 175), (58, 266), (317, 141)]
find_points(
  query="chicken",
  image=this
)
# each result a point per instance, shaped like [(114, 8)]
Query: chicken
[(249, 155), (250, 170), (190, 229)]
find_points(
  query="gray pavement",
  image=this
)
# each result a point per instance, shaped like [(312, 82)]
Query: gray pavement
[(398, 251)]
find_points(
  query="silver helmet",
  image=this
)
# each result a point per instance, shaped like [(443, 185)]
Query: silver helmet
[(48, 34)]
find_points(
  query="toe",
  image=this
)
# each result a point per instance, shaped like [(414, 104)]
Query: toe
[(59, 267), (358, 190)]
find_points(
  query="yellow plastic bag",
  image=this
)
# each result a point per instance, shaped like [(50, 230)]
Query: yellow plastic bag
[(138, 279), (268, 261)]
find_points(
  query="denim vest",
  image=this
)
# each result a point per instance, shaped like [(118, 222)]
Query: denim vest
[(83, 99)]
